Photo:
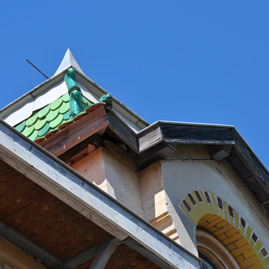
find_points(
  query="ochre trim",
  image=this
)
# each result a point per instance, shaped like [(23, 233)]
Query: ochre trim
[(209, 212)]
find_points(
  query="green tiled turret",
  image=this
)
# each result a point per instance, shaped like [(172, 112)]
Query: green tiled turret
[(49, 118)]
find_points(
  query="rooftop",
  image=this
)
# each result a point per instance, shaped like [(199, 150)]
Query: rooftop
[(53, 93)]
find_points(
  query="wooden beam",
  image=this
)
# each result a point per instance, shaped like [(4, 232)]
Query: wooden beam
[(72, 188), (29, 247), (149, 138), (157, 152), (93, 122), (122, 131), (219, 153), (85, 255), (104, 253), (95, 140)]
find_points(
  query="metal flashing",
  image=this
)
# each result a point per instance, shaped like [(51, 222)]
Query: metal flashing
[(68, 61)]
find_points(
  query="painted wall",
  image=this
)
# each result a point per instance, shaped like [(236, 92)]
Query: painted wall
[(155, 201), (157, 192), (191, 168), (113, 170), (122, 177)]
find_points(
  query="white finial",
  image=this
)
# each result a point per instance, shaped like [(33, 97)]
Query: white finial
[(68, 61)]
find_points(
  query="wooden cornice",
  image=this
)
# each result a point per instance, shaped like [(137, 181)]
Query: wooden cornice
[(83, 130), (93, 122)]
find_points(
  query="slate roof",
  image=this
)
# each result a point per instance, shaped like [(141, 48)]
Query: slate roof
[(49, 119)]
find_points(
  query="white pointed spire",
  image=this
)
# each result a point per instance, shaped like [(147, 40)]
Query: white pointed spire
[(67, 61)]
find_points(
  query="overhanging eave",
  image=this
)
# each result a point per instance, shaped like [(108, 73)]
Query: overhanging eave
[(69, 186)]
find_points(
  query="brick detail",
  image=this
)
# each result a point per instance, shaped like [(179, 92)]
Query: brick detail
[(192, 199), (264, 252), (186, 205), (209, 212), (207, 197), (198, 196), (254, 237), (231, 211), (220, 203), (243, 223)]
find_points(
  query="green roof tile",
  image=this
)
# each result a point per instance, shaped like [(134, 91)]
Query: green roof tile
[(28, 131), (34, 135), (66, 116), (66, 98), (52, 115), (44, 129), (57, 121), (64, 108), (20, 127), (43, 112), (40, 124), (32, 120), (56, 104), (49, 118)]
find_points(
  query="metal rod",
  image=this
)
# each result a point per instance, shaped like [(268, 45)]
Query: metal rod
[(36, 68)]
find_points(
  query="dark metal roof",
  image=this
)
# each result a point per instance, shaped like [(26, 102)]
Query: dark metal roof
[(157, 140)]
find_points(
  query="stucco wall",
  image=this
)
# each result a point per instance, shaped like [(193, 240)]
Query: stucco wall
[(190, 169), (154, 200), (122, 177), (113, 170), (92, 167), (156, 193)]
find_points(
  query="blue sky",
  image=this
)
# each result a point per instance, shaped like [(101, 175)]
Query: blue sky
[(187, 61)]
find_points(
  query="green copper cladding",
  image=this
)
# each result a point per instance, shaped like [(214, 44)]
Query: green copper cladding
[(106, 98), (70, 79), (74, 92), (75, 104)]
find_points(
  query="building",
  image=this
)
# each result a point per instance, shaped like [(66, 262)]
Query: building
[(87, 183)]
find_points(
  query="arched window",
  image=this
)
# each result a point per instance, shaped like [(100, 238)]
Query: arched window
[(212, 253), (229, 235), (206, 263)]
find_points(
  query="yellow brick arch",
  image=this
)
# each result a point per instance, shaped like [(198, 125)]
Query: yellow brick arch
[(214, 215)]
